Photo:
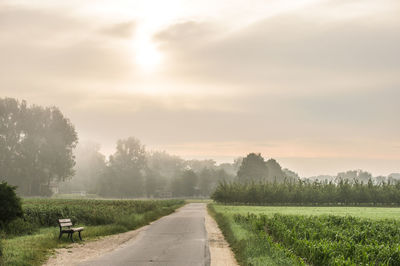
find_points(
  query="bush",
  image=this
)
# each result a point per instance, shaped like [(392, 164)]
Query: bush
[(10, 204), (20, 227)]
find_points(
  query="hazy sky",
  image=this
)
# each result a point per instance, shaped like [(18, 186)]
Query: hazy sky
[(315, 84)]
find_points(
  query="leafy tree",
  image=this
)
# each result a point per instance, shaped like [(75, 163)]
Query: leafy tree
[(176, 187), (186, 184), (152, 183), (36, 146), (166, 165), (189, 183), (198, 165), (10, 204), (253, 168), (290, 175), (126, 170), (275, 172), (90, 166), (207, 179), (353, 175)]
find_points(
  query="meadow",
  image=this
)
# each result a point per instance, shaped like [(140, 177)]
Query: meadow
[(29, 240), (271, 235)]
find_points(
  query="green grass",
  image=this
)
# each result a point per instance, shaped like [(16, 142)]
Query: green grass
[(34, 249), (199, 200), (361, 212), (249, 246)]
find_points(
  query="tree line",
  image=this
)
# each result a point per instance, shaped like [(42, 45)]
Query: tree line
[(131, 171), (39, 153), (301, 192)]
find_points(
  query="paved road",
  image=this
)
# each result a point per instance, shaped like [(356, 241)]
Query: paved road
[(178, 239)]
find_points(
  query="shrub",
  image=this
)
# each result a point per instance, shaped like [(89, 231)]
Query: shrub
[(20, 227), (10, 204)]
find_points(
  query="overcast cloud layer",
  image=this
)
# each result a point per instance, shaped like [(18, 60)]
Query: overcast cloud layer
[(315, 84)]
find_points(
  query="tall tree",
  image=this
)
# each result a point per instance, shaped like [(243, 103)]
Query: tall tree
[(207, 179), (166, 165), (275, 172), (36, 146), (253, 168), (189, 183), (127, 168), (186, 184)]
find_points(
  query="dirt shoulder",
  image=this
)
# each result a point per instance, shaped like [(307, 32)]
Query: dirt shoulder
[(79, 252), (220, 252)]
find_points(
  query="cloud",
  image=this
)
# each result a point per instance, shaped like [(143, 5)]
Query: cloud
[(306, 83), (54, 50), (290, 52), (123, 30)]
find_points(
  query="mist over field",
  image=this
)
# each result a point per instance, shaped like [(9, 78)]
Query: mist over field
[(41, 156), (313, 84), (202, 132)]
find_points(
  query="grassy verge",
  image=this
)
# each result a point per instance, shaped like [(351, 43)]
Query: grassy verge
[(251, 246), (34, 249)]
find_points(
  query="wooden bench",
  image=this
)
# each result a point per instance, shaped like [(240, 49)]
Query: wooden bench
[(66, 227)]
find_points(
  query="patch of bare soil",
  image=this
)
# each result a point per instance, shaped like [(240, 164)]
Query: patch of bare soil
[(220, 252), (79, 252)]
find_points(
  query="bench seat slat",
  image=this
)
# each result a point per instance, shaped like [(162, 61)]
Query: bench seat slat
[(77, 229), (65, 224)]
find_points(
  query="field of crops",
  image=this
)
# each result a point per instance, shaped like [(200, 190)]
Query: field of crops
[(45, 212), (313, 235), (361, 212), (29, 239)]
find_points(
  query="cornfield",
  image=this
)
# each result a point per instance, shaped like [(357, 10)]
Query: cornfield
[(45, 212), (332, 240)]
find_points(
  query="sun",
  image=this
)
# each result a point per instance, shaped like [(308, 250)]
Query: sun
[(147, 56)]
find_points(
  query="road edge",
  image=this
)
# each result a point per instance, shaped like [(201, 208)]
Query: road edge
[(220, 252)]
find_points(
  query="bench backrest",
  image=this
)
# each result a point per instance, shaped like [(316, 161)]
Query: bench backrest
[(64, 223)]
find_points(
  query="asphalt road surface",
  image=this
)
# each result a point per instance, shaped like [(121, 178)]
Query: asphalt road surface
[(178, 239)]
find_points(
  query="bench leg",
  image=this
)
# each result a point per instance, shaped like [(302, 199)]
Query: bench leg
[(59, 237), (72, 239), (80, 235)]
